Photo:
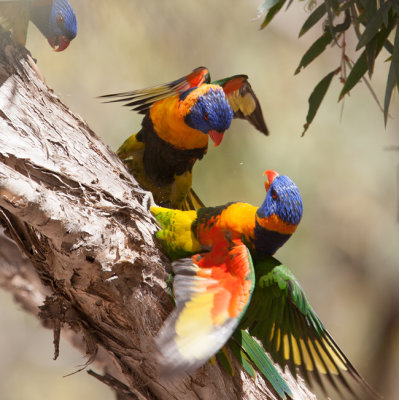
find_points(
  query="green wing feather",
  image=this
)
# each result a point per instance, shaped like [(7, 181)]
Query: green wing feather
[(262, 362), (141, 100), (14, 17), (283, 320), (243, 101)]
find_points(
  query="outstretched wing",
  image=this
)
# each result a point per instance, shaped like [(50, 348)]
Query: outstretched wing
[(212, 291), (141, 100), (14, 17), (243, 101), (283, 320)]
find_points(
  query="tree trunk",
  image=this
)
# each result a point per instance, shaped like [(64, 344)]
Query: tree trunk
[(89, 265)]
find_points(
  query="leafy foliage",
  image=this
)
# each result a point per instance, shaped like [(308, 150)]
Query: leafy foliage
[(373, 22)]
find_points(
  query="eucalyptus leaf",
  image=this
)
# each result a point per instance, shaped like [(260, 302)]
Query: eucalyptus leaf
[(361, 65), (357, 72), (317, 97), (315, 50), (266, 6), (393, 76), (388, 92), (371, 30), (395, 57), (371, 48), (313, 19), (272, 12)]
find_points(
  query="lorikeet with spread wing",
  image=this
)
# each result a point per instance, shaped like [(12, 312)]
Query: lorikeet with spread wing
[(232, 281), (55, 19), (180, 116)]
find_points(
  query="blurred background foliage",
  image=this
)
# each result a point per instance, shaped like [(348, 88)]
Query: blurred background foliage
[(345, 251), (373, 25)]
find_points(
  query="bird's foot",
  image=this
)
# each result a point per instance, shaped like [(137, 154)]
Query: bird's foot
[(35, 68)]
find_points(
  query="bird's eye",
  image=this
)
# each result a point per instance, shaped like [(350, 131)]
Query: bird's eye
[(60, 20), (274, 194), (206, 116)]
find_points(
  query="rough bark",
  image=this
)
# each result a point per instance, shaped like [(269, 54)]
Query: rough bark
[(83, 256)]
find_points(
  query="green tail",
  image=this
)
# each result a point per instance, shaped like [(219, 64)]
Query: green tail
[(261, 360)]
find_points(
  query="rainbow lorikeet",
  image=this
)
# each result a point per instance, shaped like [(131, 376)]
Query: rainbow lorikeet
[(55, 19), (179, 118), (229, 284)]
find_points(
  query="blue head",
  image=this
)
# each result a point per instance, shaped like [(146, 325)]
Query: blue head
[(209, 111), (279, 214), (57, 22)]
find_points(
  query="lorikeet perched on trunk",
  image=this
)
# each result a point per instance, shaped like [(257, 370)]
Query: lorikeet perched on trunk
[(230, 280), (55, 19), (180, 116)]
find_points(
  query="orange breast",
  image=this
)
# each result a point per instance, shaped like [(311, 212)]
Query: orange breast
[(238, 219)]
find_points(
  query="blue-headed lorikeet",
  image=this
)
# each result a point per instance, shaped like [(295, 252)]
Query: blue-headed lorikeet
[(180, 116), (55, 19), (228, 279)]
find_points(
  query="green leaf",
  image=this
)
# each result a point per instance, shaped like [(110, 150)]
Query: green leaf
[(371, 30), (315, 50), (361, 65), (266, 6), (385, 7), (289, 4), (313, 19), (317, 97), (369, 8), (262, 362), (388, 92), (393, 76), (371, 54), (357, 72), (388, 46), (395, 56), (272, 12)]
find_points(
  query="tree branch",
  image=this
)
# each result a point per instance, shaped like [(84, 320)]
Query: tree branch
[(90, 261)]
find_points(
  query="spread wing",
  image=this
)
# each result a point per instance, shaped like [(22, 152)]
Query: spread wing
[(141, 100), (283, 320), (212, 291), (243, 101), (14, 17)]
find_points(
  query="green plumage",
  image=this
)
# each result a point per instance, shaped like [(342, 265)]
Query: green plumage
[(281, 317)]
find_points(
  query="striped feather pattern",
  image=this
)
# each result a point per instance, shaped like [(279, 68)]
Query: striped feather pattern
[(283, 320)]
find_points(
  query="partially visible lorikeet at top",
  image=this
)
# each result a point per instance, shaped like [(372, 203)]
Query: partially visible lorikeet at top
[(228, 283), (179, 118), (55, 19)]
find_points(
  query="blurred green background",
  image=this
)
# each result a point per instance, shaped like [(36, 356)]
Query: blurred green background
[(346, 250)]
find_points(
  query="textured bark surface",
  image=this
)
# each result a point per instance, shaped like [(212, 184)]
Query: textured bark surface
[(83, 256)]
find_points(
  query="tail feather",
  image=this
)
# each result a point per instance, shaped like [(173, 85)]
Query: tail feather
[(192, 202)]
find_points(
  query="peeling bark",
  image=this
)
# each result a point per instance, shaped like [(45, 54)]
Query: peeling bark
[(83, 257)]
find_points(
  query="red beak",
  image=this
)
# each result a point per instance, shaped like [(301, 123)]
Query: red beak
[(271, 176), (58, 43), (216, 137)]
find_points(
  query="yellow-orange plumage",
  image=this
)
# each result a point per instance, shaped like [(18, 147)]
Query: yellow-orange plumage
[(168, 117), (180, 117)]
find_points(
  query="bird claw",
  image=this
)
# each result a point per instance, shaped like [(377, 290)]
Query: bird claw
[(148, 199), (35, 68)]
